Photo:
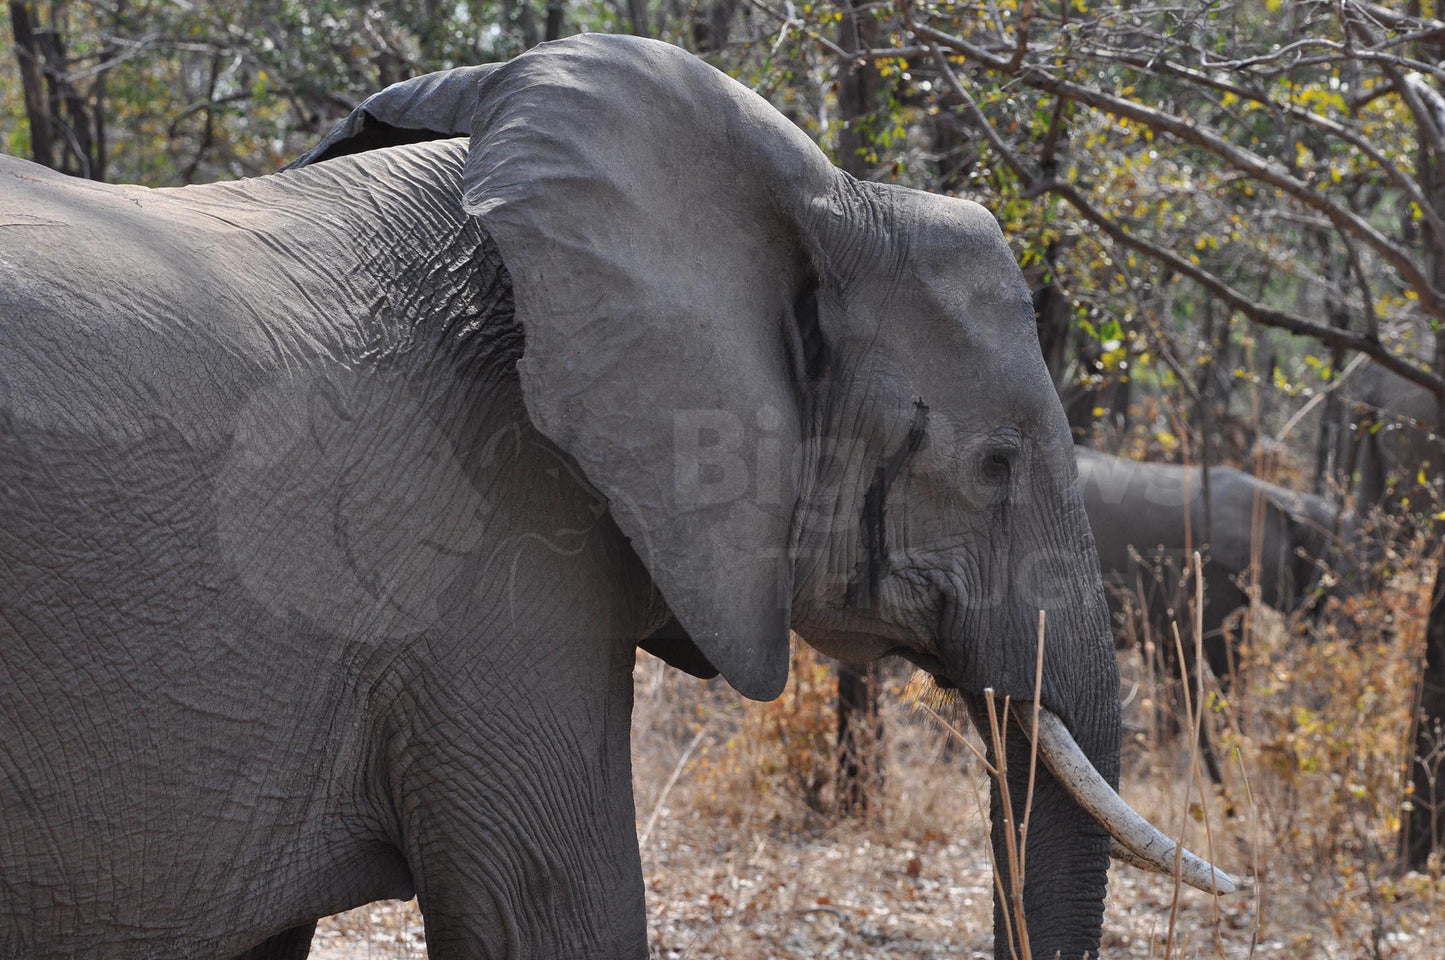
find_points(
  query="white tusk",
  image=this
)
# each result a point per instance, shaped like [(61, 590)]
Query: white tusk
[(1136, 840)]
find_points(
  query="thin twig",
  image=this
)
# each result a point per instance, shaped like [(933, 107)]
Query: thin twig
[(667, 788), (1319, 396), (1011, 843), (992, 860), (990, 768), (801, 26), (1254, 851), (1199, 722), (1184, 815), (1260, 168), (1033, 748)]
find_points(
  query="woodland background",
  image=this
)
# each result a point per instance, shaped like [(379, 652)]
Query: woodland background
[(1220, 207)]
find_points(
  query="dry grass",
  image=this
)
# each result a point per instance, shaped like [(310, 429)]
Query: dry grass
[(745, 859)]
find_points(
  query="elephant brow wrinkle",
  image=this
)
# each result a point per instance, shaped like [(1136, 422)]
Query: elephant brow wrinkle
[(862, 590)]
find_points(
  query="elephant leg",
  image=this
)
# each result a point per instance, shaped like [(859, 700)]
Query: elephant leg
[(513, 793), (523, 900), (293, 944)]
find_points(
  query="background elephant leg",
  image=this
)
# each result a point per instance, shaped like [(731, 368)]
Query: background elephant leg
[(1192, 677), (293, 944), (1206, 754), (1173, 678)]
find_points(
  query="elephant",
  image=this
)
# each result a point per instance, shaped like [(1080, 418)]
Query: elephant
[(1399, 453), (337, 502), (1148, 517)]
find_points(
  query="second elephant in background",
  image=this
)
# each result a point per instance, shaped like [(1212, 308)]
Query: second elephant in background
[(1148, 517)]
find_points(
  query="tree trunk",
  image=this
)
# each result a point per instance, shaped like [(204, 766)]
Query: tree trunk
[(1053, 313), (1337, 308), (97, 96), (1422, 828), (76, 111), (860, 736), (637, 13), (554, 20), (712, 24), (524, 16), (529, 25), (32, 80), (857, 89)]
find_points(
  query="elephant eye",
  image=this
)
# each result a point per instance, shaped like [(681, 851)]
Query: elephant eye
[(997, 468)]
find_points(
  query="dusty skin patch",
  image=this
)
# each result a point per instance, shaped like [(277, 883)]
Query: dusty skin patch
[(737, 867)]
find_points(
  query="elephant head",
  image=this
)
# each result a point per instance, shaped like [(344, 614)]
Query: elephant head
[(811, 402)]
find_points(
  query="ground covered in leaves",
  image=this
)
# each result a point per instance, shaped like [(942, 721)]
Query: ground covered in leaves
[(745, 856)]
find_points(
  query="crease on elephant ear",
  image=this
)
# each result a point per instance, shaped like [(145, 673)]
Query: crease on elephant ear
[(657, 243), (434, 106)]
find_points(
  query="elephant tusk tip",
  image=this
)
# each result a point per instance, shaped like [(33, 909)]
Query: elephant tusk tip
[(1135, 841), (1193, 871), (1224, 883)]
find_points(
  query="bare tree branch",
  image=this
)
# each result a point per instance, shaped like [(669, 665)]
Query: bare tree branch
[(1256, 312), (1163, 67), (1188, 131)]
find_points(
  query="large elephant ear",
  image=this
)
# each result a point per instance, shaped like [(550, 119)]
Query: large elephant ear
[(651, 213), (646, 207)]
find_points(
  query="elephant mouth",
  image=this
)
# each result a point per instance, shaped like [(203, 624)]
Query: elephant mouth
[(928, 663)]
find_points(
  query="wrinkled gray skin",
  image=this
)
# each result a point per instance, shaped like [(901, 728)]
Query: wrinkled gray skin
[(337, 501), (1399, 440), (1156, 512)]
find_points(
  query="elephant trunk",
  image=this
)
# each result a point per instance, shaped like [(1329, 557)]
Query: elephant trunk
[(1045, 558), (1063, 861), (1075, 822)]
